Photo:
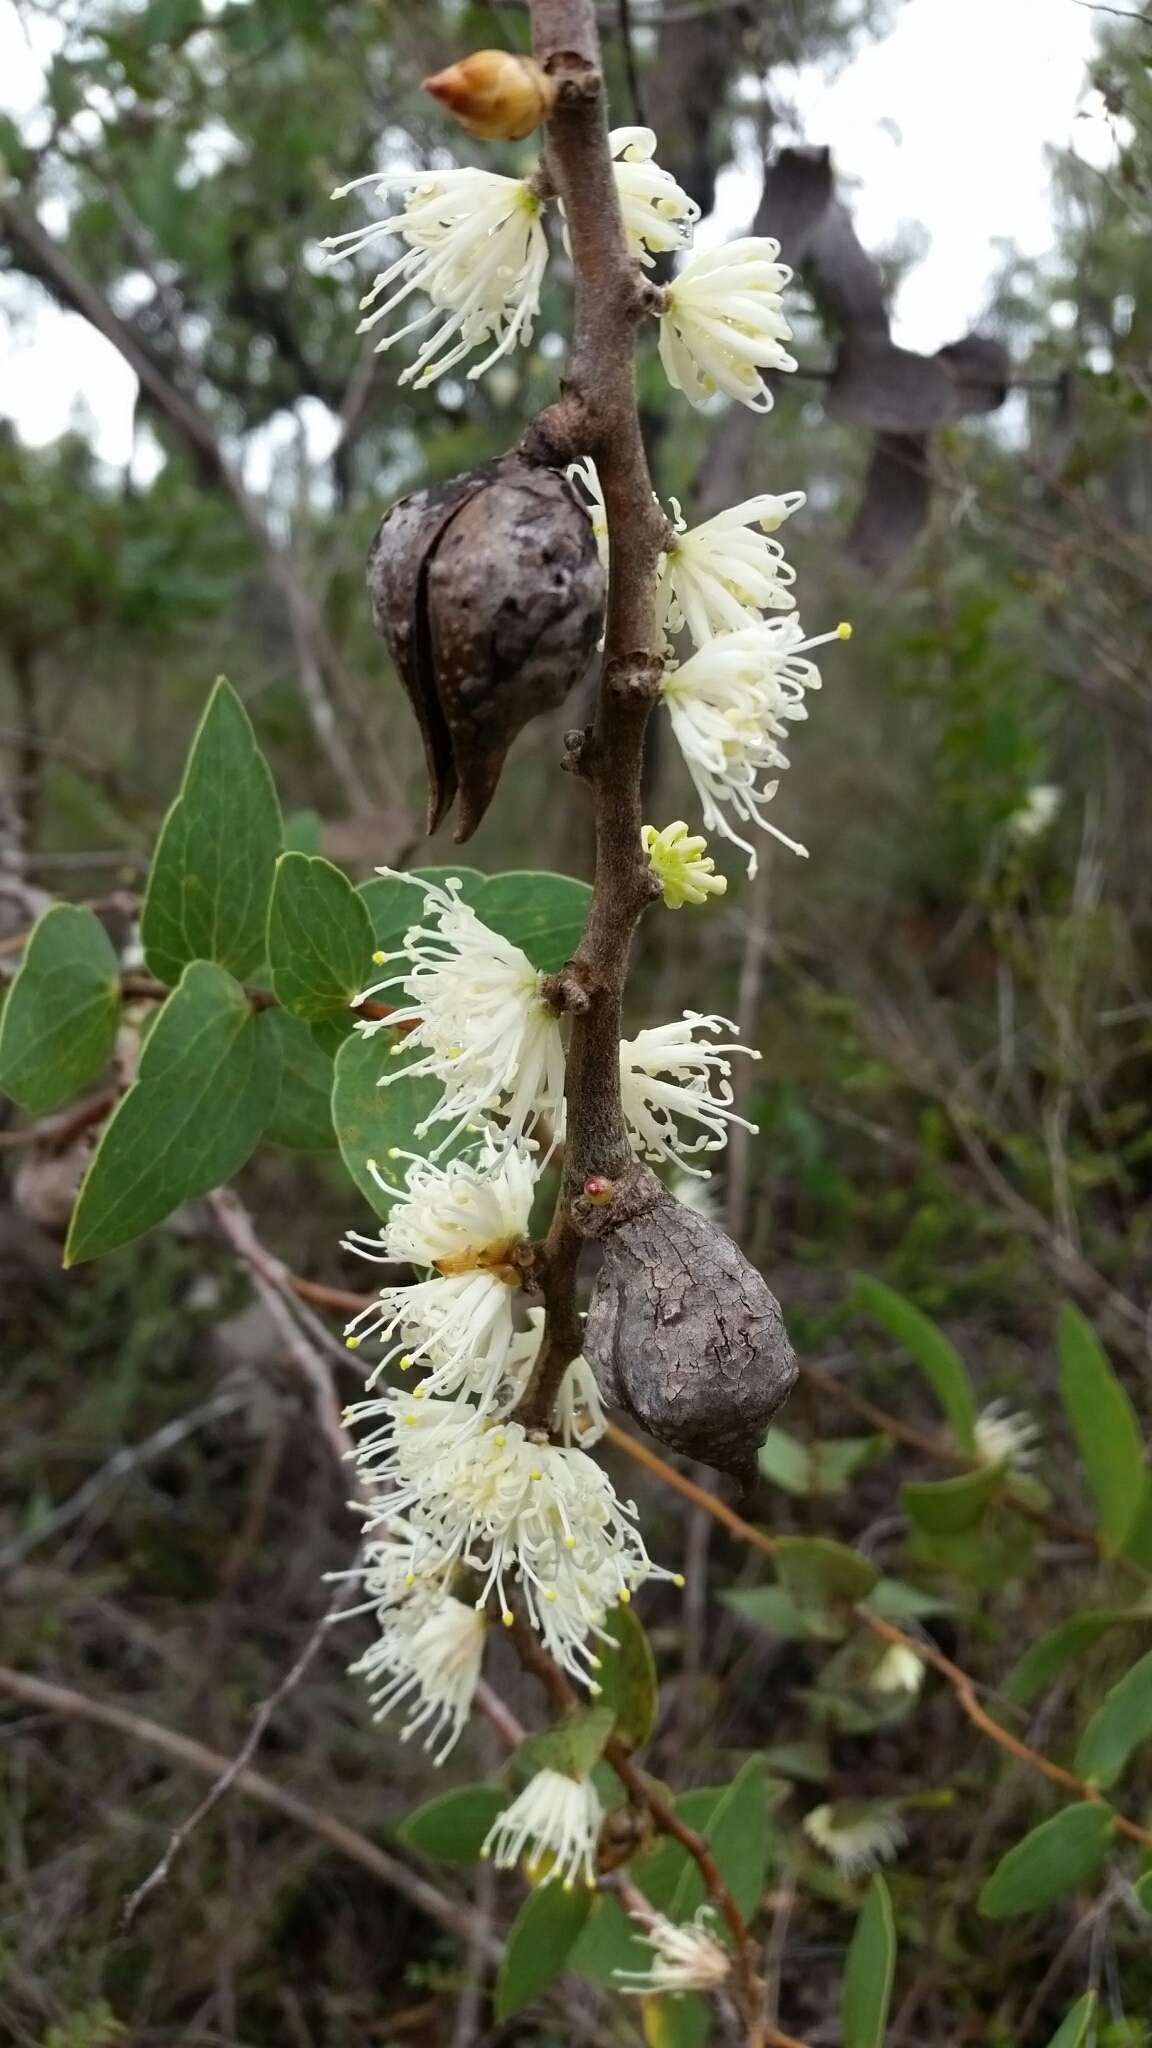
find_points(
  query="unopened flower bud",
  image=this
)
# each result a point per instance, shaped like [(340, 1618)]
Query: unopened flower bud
[(494, 94), (598, 1188)]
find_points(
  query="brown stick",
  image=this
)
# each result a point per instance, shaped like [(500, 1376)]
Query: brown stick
[(597, 415), (962, 1684)]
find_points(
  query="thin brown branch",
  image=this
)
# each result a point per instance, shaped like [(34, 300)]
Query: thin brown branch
[(234, 1770), (597, 415), (456, 1919), (963, 1686), (55, 1133)]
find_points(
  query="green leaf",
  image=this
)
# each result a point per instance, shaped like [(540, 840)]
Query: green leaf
[(824, 1579), (627, 1678), (59, 1023), (768, 1607), (684, 2020), (455, 1825), (1105, 1427), (205, 1088), (947, 1507), (303, 832), (895, 1600), (939, 1361), (1075, 2028), (1042, 1664), (373, 1120), (573, 1745), (869, 1972), (211, 873), (302, 1118), (815, 1468), (540, 1941), (1057, 1857), (320, 937), (738, 1836), (543, 914), (1121, 1722)]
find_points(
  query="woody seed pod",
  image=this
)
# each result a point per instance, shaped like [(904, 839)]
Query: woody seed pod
[(490, 594), (682, 1332), (494, 94)]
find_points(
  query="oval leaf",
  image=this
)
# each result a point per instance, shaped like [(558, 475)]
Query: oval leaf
[(737, 1833), (1057, 1857), (684, 2020), (373, 1119), (543, 914), (540, 1941), (1042, 1665), (947, 1507), (206, 1087), (454, 1826), (824, 1579), (939, 1360), (1119, 1725), (60, 1020), (627, 1678), (1105, 1427), (320, 937), (211, 876), (1075, 2029), (302, 1118), (869, 1972)]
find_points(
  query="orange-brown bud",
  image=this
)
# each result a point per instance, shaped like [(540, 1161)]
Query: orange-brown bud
[(494, 94)]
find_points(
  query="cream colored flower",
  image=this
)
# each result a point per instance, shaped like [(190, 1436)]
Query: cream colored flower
[(672, 1081), (684, 1958), (679, 863), (720, 575), (723, 322), (856, 1835), (475, 247), (554, 1826), (475, 1013)]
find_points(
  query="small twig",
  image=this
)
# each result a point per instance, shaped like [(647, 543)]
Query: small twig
[(234, 1770), (118, 1467), (271, 1281), (57, 1132), (458, 1920)]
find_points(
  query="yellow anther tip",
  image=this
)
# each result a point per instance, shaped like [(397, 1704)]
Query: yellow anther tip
[(406, 1363), (678, 1578), (844, 630), (351, 1343), (500, 1441), (550, 1594), (535, 1475), (409, 1578), (625, 1597), (507, 1618), (378, 958), (569, 1543)]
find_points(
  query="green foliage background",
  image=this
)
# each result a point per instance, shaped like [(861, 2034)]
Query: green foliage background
[(953, 1096)]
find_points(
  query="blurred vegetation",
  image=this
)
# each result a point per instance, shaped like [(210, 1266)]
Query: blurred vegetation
[(951, 997)]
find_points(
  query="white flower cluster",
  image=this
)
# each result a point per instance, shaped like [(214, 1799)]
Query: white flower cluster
[(473, 245), (467, 1508), (741, 680)]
